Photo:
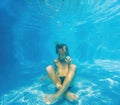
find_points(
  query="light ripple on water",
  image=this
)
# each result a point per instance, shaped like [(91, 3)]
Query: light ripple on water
[(94, 90)]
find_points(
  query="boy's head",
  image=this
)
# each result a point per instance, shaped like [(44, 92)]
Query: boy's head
[(62, 51)]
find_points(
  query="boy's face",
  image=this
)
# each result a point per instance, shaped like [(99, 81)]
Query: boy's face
[(62, 53)]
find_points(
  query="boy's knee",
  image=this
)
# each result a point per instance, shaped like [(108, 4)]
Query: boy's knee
[(73, 67), (48, 68)]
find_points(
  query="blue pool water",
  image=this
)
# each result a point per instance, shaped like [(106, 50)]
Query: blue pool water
[(28, 32)]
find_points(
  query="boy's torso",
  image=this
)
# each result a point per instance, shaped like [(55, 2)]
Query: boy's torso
[(62, 68)]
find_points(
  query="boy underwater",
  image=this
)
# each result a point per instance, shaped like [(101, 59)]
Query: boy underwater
[(62, 75)]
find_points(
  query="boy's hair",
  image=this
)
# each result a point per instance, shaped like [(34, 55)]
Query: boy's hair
[(59, 46)]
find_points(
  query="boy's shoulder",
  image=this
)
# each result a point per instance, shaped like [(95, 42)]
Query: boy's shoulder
[(56, 60)]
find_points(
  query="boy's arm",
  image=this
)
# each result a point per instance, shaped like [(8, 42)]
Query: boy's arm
[(43, 78)]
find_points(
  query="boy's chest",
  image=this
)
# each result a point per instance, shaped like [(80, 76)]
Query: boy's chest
[(62, 66)]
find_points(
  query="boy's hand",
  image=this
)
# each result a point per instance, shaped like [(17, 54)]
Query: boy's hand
[(68, 59), (43, 78)]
